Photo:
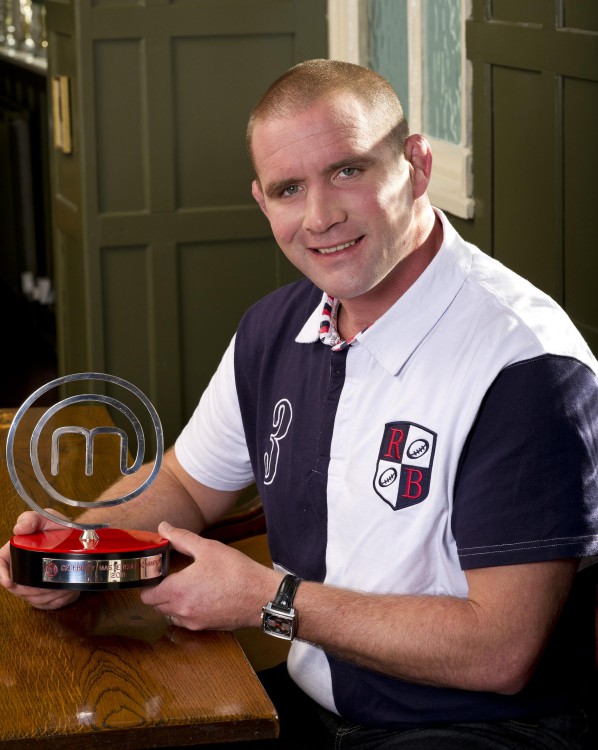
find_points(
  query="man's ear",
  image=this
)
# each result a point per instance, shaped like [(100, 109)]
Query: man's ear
[(258, 194), (419, 154)]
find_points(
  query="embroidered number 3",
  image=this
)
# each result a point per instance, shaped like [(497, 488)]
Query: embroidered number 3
[(281, 421)]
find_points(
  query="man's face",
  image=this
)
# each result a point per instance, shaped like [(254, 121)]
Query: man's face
[(338, 196)]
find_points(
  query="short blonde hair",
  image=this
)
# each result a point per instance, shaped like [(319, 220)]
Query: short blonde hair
[(305, 83)]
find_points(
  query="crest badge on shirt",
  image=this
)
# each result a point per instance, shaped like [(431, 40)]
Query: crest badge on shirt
[(404, 465)]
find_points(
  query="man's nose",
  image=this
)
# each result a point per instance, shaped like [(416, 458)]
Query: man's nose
[(323, 210)]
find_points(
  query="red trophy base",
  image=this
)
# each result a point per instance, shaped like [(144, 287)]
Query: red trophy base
[(60, 559)]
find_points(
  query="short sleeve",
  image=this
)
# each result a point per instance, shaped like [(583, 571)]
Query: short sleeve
[(527, 486), (212, 446)]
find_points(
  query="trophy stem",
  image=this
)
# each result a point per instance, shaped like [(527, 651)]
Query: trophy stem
[(89, 538), (89, 535)]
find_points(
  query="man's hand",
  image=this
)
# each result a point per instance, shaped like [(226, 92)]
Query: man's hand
[(30, 523), (222, 589)]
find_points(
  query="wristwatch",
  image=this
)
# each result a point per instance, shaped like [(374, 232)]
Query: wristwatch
[(279, 618)]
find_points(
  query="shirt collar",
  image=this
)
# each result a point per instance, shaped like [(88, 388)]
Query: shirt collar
[(329, 333), (397, 334)]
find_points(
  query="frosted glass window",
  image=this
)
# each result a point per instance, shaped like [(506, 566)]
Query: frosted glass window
[(442, 69), (388, 44)]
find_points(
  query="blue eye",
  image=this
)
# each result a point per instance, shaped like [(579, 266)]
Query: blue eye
[(349, 171), (291, 190)]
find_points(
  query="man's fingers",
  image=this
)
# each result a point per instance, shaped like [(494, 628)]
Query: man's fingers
[(44, 598), (30, 522)]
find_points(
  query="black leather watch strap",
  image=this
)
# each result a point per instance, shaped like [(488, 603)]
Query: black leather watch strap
[(286, 592)]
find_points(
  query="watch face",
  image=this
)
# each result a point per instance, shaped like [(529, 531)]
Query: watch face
[(278, 625)]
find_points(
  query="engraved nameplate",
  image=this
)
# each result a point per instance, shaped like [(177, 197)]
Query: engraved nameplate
[(63, 570)]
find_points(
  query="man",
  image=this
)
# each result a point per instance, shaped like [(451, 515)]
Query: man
[(423, 437)]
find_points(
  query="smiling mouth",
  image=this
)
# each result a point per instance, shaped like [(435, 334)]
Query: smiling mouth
[(336, 248)]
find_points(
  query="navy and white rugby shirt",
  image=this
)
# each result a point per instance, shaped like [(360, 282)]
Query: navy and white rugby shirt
[(459, 431)]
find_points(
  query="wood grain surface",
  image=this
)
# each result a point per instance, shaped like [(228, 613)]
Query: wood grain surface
[(109, 671)]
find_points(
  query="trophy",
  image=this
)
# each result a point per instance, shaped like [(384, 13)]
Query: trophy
[(86, 556)]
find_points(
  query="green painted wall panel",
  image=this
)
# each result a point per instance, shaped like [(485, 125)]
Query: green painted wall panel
[(524, 177), (581, 14), (213, 295), (121, 135), (126, 313), (580, 167), (214, 92), (72, 308), (516, 11)]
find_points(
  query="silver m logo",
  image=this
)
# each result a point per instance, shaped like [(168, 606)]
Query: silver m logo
[(89, 436)]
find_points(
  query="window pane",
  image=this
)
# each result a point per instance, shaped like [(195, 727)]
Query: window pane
[(388, 44), (442, 69)]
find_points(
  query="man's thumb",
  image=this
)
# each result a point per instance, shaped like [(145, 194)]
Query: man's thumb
[(182, 540)]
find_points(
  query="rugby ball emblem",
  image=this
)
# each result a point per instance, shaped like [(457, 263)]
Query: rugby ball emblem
[(418, 448), (387, 477)]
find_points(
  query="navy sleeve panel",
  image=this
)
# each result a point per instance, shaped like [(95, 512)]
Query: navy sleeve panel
[(527, 484), (282, 388)]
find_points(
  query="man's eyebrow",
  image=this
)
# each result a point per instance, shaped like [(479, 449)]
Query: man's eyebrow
[(355, 160)]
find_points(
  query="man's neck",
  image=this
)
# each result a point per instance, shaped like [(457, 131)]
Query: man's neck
[(357, 314)]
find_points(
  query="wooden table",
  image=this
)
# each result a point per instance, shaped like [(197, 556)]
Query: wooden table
[(109, 671)]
